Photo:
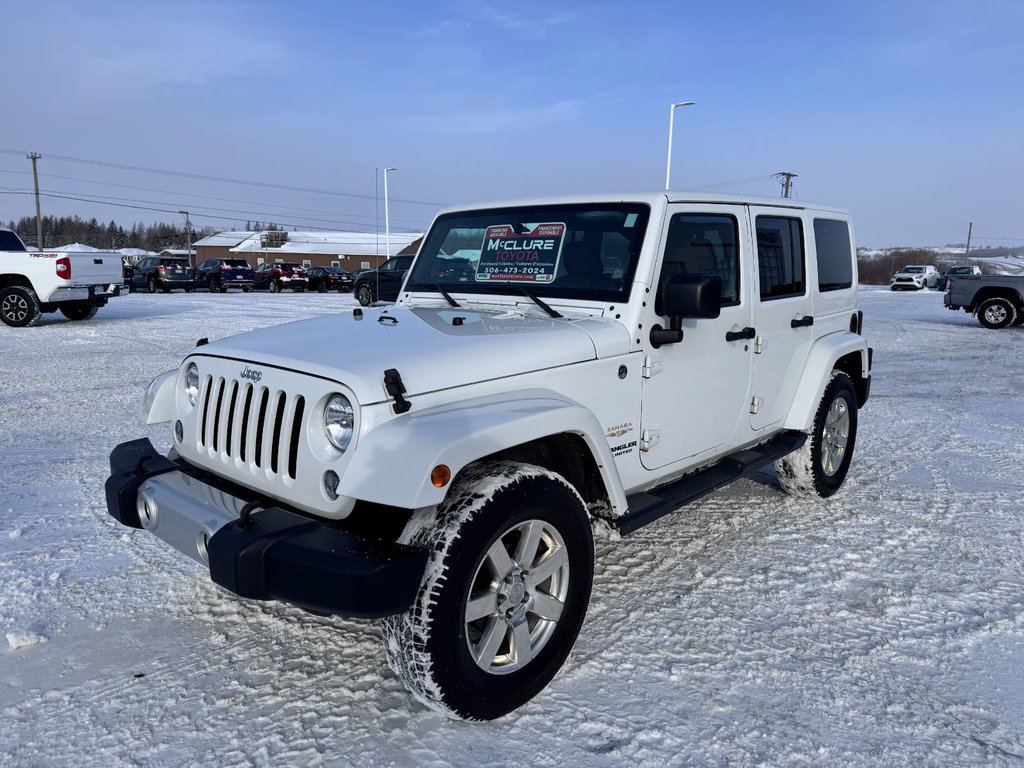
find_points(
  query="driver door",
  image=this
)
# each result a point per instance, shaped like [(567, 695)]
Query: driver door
[(696, 392)]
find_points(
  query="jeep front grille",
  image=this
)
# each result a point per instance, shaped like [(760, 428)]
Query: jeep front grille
[(251, 423)]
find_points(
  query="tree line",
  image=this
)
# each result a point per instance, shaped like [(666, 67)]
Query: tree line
[(64, 230)]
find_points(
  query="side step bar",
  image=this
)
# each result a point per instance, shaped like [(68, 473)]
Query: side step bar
[(648, 506)]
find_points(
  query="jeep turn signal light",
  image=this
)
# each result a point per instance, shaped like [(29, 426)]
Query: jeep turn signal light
[(440, 476)]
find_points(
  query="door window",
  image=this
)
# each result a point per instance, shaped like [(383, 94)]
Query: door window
[(780, 257), (702, 244)]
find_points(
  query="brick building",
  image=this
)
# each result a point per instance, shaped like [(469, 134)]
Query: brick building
[(351, 251)]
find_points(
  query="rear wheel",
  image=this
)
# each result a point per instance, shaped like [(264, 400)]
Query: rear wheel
[(504, 595), (19, 306), (819, 467), (78, 311), (321, 287), (151, 285), (275, 286), (997, 313), (364, 293)]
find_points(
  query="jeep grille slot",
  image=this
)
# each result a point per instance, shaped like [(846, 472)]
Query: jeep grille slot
[(253, 424)]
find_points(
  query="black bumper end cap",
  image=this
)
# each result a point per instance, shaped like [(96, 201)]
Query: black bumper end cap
[(284, 556), (131, 464)]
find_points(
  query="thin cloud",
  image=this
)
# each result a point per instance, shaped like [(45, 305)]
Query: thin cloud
[(490, 121)]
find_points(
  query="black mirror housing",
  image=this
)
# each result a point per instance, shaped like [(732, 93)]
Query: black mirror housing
[(692, 296), (686, 296)]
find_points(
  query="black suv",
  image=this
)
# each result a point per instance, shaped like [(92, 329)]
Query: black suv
[(325, 279), (278, 275), (383, 283), (162, 273), (221, 274)]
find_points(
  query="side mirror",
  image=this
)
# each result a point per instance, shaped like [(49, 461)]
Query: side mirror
[(682, 296)]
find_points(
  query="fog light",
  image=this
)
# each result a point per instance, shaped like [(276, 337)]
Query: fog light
[(202, 540), (179, 431), (331, 483), (440, 475), (147, 510)]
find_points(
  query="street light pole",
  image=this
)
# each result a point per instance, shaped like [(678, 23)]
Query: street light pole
[(188, 237), (671, 118), (387, 224)]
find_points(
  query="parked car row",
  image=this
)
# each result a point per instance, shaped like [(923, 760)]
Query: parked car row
[(914, 277), (165, 273)]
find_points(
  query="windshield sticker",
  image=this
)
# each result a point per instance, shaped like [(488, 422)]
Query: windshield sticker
[(530, 257)]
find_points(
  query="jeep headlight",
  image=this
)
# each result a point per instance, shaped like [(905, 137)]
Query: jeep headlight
[(339, 419), (191, 383)]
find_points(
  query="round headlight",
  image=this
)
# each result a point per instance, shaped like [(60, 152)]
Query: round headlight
[(192, 383), (338, 421)]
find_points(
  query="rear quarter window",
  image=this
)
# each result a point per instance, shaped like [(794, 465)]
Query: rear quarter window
[(10, 242), (835, 257)]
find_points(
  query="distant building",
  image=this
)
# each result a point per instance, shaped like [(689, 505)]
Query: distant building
[(351, 251), (180, 253)]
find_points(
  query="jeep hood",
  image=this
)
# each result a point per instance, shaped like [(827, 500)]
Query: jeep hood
[(432, 348)]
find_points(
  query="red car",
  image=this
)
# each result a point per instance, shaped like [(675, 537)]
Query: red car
[(278, 275)]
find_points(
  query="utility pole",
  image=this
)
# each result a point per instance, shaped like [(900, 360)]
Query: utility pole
[(967, 252), (33, 156), (786, 180), (188, 237)]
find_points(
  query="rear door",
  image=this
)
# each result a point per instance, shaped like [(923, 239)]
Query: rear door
[(782, 311)]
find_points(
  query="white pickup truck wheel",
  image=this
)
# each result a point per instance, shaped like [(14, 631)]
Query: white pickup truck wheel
[(19, 307), (503, 596), (819, 467)]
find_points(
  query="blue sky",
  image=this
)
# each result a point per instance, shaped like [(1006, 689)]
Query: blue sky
[(908, 113)]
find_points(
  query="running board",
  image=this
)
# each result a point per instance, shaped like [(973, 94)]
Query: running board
[(646, 507)]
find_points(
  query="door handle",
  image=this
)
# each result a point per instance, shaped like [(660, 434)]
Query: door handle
[(802, 322), (746, 333)]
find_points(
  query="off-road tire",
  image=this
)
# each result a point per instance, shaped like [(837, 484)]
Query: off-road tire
[(19, 306), (78, 311), (495, 513), (364, 294), (819, 467), (997, 313)]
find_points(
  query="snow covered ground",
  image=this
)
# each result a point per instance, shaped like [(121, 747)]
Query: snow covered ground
[(884, 627)]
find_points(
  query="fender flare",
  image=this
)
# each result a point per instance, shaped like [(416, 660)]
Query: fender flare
[(392, 463), (821, 360)]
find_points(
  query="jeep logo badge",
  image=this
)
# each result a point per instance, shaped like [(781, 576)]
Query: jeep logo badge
[(252, 375)]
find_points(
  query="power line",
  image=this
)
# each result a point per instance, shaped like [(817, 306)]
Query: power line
[(159, 210), (221, 179), (248, 213), (219, 198)]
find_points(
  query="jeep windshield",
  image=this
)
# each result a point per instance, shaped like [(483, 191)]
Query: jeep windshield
[(579, 251)]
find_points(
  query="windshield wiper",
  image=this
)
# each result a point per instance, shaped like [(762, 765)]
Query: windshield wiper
[(534, 299), (447, 296)]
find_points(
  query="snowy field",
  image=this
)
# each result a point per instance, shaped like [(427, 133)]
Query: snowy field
[(884, 627)]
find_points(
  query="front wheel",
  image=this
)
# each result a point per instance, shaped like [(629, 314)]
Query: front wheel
[(819, 467), (78, 311), (19, 306), (997, 313), (504, 594), (365, 294)]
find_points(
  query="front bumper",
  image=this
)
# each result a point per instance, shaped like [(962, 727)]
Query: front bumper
[(272, 554)]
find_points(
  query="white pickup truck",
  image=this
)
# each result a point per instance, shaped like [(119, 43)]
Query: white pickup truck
[(34, 282)]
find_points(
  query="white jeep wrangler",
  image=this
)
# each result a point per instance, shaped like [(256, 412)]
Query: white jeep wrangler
[(439, 463)]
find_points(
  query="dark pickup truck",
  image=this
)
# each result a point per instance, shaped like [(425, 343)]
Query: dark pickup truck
[(996, 300)]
